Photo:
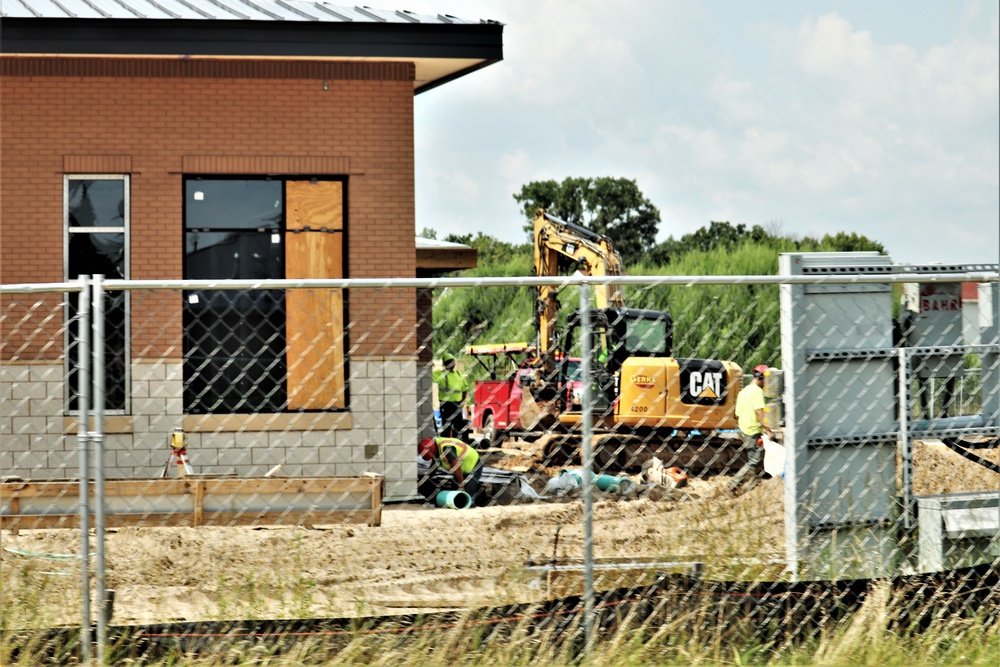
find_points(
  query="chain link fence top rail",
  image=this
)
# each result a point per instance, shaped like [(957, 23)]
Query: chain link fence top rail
[(260, 448)]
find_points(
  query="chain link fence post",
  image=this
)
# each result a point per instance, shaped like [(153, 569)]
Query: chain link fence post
[(587, 464), (97, 439), (83, 352), (906, 449)]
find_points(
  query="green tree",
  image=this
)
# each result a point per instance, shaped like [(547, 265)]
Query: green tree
[(722, 235), (706, 239), (614, 207), (844, 242), (493, 252), (464, 239)]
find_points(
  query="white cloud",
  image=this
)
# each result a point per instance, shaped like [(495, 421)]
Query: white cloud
[(876, 119)]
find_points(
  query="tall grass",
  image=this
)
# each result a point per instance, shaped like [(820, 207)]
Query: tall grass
[(655, 633), (738, 322), (482, 315), (728, 322)]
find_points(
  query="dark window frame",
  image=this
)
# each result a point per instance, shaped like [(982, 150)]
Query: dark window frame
[(191, 403), (116, 385)]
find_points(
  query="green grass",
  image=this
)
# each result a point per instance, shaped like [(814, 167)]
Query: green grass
[(871, 636)]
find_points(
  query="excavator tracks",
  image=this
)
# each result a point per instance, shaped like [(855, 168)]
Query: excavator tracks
[(698, 454)]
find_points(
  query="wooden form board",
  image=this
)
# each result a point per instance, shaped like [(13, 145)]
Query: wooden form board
[(314, 248), (197, 501), (315, 332), (314, 204)]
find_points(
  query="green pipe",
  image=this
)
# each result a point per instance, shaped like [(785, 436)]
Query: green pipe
[(455, 500)]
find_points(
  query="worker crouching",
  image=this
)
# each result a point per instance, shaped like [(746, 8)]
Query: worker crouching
[(457, 459)]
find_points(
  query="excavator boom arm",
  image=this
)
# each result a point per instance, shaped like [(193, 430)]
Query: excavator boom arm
[(595, 256)]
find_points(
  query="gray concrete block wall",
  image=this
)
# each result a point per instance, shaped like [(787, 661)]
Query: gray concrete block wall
[(32, 442), (388, 386), (425, 401), (383, 437), (156, 407), (157, 396), (9, 375)]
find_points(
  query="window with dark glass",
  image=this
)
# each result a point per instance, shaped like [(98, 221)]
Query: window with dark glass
[(263, 350), (234, 340), (96, 218)]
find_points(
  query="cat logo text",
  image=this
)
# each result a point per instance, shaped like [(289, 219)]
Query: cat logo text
[(705, 384)]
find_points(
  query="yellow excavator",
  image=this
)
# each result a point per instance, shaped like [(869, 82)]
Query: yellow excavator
[(645, 402)]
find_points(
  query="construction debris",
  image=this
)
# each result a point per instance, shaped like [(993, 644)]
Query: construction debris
[(570, 480), (655, 482), (654, 472), (500, 486)]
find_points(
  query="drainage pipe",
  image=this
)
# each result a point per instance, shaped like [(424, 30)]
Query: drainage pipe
[(455, 500)]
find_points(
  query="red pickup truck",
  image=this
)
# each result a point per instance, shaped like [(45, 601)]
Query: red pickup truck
[(496, 402)]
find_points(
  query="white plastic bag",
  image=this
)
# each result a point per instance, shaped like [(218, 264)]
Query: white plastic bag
[(774, 457)]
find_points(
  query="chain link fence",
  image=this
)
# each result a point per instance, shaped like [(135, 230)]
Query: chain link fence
[(250, 453)]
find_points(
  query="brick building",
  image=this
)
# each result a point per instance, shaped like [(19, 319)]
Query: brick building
[(237, 139)]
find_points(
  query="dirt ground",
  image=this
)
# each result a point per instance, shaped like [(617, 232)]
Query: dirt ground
[(419, 558)]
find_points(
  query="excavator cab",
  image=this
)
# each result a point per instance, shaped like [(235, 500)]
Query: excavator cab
[(616, 335)]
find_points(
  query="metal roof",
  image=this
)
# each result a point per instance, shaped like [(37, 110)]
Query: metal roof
[(436, 257), (434, 244), (442, 47), (224, 10)]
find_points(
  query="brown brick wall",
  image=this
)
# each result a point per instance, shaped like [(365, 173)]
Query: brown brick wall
[(154, 119)]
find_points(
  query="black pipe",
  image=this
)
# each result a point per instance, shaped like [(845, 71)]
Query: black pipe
[(953, 444)]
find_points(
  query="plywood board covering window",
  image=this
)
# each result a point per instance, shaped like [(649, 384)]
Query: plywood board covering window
[(314, 248)]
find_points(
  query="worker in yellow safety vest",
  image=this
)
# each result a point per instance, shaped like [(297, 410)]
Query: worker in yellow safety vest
[(750, 412), (458, 459), (453, 390)]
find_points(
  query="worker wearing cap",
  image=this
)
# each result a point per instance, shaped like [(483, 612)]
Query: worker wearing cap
[(750, 413), (458, 459), (453, 389)]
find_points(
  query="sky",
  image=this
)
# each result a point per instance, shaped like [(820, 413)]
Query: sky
[(807, 118)]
